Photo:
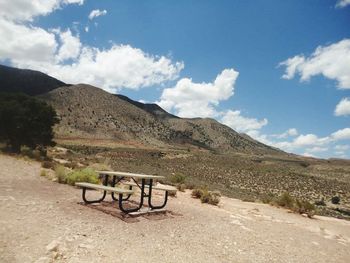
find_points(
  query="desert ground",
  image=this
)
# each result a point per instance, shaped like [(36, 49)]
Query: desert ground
[(43, 221)]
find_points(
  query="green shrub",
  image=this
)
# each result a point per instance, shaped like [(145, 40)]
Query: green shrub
[(43, 173), (304, 207), (285, 200), (335, 200), (267, 198), (84, 175), (177, 178), (61, 174)]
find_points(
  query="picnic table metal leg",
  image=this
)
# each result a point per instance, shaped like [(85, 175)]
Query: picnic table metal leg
[(150, 198), (105, 182), (93, 201), (114, 182), (120, 199)]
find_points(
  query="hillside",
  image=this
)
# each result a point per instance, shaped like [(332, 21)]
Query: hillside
[(27, 81), (90, 112)]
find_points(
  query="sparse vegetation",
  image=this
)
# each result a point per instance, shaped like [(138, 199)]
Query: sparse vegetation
[(181, 187), (335, 200), (177, 178), (267, 198), (84, 175), (61, 173), (320, 202), (210, 197), (285, 200), (66, 176), (295, 205), (43, 173)]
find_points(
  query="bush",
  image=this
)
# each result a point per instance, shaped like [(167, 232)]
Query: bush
[(47, 165), (177, 178), (206, 196), (214, 197), (304, 207), (197, 193), (335, 200), (267, 198), (84, 175), (296, 205), (43, 173), (61, 174), (181, 187), (285, 200)]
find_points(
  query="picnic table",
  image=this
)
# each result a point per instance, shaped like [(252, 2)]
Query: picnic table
[(146, 189)]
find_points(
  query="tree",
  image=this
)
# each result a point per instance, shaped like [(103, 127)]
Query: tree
[(25, 120)]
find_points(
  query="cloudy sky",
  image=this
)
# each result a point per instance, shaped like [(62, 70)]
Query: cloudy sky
[(276, 70)]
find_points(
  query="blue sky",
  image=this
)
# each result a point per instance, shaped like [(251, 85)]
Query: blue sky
[(272, 81)]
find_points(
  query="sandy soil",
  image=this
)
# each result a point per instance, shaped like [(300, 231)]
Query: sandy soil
[(42, 221)]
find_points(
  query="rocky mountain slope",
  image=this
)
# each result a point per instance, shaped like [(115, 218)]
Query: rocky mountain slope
[(30, 82), (90, 112)]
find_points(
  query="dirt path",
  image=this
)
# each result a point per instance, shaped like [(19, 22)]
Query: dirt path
[(37, 215)]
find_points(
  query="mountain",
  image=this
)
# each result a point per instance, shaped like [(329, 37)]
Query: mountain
[(152, 108), (27, 81), (89, 112)]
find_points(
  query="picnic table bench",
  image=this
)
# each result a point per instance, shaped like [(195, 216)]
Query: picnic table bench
[(119, 177)]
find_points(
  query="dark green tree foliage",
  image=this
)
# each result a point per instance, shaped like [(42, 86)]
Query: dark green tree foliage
[(25, 120)]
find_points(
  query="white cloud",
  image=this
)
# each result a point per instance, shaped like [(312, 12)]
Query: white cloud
[(342, 147), (309, 140), (342, 3), (289, 133), (97, 13), (70, 46), (62, 55), (112, 69), (24, 10), (330, 61), (27, 43), (343, 134), (317, 149), (86, 29), (343, 107), (236, 121), (79, 2), (306, 154), (190, 99)]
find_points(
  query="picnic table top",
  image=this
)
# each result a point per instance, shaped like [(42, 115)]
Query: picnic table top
[(124, 174)]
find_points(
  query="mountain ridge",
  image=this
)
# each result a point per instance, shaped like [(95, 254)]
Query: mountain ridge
[(30, 82), (89, 112)]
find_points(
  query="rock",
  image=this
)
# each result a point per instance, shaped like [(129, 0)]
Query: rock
[(53, 246)]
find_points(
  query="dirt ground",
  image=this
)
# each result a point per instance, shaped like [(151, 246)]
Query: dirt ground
[(43, 221)]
